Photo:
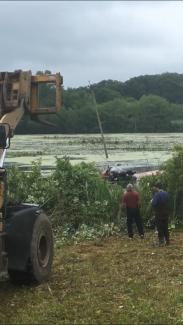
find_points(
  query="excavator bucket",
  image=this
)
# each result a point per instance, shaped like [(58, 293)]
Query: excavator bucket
[(43, 85), (41, 93)]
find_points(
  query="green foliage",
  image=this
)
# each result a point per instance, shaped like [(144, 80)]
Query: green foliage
[(145, 187), (84, 197), (73, 195), (171, 179), (173, 174), (124, 107), (29, 187), (106, 91), (77, 195), (167, 85), (85, 232), (155, 109)]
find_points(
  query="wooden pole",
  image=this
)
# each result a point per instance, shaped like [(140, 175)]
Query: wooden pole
[(99, 120)]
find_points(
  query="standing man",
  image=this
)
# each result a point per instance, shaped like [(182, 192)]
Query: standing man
[(131, 201), (160, 203)]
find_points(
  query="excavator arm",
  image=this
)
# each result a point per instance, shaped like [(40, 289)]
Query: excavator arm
[(23, 93)]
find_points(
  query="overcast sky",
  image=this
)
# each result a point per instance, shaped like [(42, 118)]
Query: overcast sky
[(92, 40)]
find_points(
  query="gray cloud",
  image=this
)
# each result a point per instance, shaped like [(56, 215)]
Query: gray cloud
[(92, 40)]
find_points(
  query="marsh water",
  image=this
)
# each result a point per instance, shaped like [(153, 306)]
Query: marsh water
[(146, 151)]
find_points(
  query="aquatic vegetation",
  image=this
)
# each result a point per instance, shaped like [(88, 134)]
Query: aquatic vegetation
[(129, 149)]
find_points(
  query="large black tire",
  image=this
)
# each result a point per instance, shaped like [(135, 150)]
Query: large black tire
[(41, 254), (41, 249)]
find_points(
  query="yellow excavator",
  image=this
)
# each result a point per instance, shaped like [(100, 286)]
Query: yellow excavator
[(26, 240)]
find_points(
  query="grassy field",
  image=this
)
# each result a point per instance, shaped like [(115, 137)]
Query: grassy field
[(106, 281)]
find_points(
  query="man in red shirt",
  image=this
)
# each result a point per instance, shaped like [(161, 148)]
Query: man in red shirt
[(131, 201)]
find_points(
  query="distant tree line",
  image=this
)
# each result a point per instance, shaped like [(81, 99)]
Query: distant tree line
[(150, 103)]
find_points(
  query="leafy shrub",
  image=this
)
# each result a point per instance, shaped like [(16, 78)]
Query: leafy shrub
[(83, 197), (71, 194), (145, 188), (29, 186), (85, 232), (173, 175), (171, 179)]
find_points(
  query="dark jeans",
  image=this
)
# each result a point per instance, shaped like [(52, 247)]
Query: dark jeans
[(162, 228), (134, 215)]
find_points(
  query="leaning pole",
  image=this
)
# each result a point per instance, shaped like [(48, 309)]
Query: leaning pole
[(98, 120)]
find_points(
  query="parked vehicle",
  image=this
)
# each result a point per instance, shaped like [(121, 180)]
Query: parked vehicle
[(117, 173)]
